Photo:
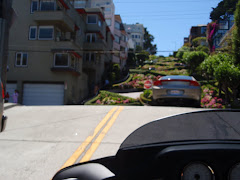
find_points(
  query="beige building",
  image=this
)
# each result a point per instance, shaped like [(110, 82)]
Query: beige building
[(136, 34), (120, 43), (55, 52)]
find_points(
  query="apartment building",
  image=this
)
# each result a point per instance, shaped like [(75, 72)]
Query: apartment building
[(136, 33), (50, 52), (97, 46), (197, 31), (107, 6), (120, 43), (224, 25)]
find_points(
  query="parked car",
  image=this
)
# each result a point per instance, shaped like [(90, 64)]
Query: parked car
[(3, 120), (175, 88)]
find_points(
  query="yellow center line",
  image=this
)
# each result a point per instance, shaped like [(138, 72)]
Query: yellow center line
[(89, 139), (99, 139)]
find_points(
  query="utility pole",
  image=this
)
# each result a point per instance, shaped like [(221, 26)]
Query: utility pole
[(5, 23)]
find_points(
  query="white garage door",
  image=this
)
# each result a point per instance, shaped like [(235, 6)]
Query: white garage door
[(10, 88), (43, 94)]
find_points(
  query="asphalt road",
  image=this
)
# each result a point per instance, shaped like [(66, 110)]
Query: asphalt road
[(38, 141)]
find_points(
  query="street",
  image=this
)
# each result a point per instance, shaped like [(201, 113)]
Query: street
[(40, 140)]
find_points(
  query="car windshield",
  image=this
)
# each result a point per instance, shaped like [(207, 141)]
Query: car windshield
[(177, 78)]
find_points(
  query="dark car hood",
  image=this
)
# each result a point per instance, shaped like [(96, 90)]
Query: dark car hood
[(203, 125)]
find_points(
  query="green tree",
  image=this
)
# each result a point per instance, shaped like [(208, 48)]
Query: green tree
[(198, 41), (131, 61), (193, 60), (142, 56), (138, 49), (182, 50), (148, 43), (236, 35), (223, 7), (203, 48), (221, 67)]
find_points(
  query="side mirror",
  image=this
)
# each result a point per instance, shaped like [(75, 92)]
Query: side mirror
[(4, 123), (91, 171)]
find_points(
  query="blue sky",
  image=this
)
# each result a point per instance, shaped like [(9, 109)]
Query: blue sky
[(169, 21)]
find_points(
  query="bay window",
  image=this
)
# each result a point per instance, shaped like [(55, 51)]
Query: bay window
[(92, 19), (61, 60), (91, 37), (21, 59), (47, 5), (34, 5), (46, 33), (33, 33)]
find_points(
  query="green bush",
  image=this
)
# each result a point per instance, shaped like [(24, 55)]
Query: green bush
[(109, 98), (194, 59), (148, 93), (125, 82)]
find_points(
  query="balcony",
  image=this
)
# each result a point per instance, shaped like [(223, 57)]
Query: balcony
[(66, 69), (123, 43), (98, 45), (59, 18), (92, 65), (116, 46)]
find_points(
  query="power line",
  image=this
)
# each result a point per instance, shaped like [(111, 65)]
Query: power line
[(79, 51), (157, 15)]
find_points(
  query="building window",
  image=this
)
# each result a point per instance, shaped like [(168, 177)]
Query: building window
[(61, 60), (92, 19), (123, 38), (33, 33), (79, 4), (90, 57), (117, 39), (72, 62), (91, 37), (46, 33), (133, 36), (47, 5), (109, 22), (34, 5), (99, 23), (107, 10), (117, 25), (136, 36), (21, 59)]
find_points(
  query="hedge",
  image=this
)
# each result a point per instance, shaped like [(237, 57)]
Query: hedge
[(127, 81)]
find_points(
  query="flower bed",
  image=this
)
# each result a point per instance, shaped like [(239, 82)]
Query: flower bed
[(109, 98), (209, 98), (137, 81)]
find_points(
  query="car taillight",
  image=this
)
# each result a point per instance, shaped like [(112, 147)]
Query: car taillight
[(194, 83), (158, 83)]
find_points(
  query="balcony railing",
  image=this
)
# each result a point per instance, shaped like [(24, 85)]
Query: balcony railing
[(54, 17)]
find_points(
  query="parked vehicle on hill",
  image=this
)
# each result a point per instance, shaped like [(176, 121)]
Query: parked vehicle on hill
[(175, 88)]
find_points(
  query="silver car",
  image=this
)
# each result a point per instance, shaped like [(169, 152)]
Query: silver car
[(177, 88)]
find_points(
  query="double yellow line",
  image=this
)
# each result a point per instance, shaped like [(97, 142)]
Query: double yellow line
[(97, 141)]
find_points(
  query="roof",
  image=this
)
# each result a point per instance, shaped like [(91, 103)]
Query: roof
[(134, 28), (118, 18)]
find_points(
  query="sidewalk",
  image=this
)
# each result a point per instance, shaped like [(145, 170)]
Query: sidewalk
[(9, 105), (134, 95)]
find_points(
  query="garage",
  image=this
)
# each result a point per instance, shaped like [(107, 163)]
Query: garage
[(10, 88), (43, 94)]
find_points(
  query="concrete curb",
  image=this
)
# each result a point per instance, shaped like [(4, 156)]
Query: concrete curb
[(9, 106)]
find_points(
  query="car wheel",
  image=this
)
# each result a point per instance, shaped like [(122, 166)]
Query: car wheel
[(197, 104)]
